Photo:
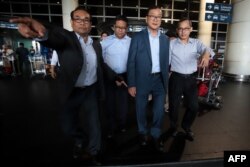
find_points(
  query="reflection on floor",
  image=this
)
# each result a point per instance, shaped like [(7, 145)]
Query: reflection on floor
[(31, 136)]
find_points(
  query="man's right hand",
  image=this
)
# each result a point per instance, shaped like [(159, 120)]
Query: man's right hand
[(29, 27), (132, 91), (120, 83), (52, 72)]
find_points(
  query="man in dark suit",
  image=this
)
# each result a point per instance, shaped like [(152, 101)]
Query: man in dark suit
[(147, 70), (81, 68)]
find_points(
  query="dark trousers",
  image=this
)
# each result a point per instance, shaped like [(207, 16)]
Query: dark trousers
[(80, 118), (183, 85), (24, 67), (116, 106), (158, 93)]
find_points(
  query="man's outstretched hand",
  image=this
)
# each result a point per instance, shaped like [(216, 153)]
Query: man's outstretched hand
[(28, 27)]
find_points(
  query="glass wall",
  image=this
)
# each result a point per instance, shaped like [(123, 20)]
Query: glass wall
[(104, 11)]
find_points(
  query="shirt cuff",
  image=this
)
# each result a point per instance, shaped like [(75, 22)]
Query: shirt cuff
[(46, 36)]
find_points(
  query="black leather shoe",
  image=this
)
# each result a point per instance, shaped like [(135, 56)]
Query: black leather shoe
[(77, 151), (91, 160), (110, 136), (172, 132), (189, 135), (95, 161), (159, 145), (123, 130), (144, 140)]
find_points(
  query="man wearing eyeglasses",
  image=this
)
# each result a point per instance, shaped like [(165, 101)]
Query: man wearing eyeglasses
[(147, 70), (184, 52), (115, 53), (81, 67)]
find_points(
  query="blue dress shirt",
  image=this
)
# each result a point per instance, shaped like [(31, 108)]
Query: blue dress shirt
[(184, 57), (88, 74), (155, 51), (115, 52)]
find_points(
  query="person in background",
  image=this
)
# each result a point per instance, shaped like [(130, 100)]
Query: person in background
[(54, 65), (82, 68), (147, 69), (104, 35), (23, 60), (184, 52), (115, 54), (2, 50), (8, 56), (32, 51)]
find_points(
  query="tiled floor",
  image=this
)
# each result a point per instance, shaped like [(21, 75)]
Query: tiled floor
[(30, 130)]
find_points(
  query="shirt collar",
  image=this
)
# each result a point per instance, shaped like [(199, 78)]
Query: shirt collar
[(190, 40), (89, 41), (158, 32), (114, 37)]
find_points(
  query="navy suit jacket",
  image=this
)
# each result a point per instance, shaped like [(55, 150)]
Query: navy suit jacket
[(139, 66)]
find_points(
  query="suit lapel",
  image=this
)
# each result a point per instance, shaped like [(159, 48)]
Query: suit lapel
[(146, 38), (78, 44), (98, 52), (164, 50), (95, 48), (161, 45)]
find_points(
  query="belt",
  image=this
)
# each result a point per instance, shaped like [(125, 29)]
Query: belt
[(122, 74), (184, 75), (156, 73), (84, 87)]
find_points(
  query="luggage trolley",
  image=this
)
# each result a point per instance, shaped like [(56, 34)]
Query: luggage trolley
[(7, 65), (208, 81), (37, 65), (1, 64)]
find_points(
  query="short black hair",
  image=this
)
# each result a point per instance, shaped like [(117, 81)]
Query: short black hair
[(80, 8), (153, 7), (122, 18), (105, 32), (185, 19)]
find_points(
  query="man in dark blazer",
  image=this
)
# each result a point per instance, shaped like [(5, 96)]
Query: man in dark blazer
[(81, 68), (147, 70)]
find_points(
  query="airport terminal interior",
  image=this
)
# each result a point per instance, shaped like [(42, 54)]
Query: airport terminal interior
[(30, 132)]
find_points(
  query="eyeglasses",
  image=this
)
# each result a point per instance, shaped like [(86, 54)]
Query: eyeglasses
[(154, 17), (184, 29), (121, 28), (79, 20)]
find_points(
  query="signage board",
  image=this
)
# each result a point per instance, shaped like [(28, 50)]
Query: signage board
[(219, 7), (218, 17), (8, 25)]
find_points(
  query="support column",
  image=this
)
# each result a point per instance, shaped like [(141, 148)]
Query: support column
[(67, 7), (237, 53), (205, 27)]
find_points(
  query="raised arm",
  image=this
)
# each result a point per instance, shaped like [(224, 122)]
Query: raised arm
[(29, 28)]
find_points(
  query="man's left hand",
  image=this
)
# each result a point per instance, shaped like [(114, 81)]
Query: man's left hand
[(121, 83), (204, 61)]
